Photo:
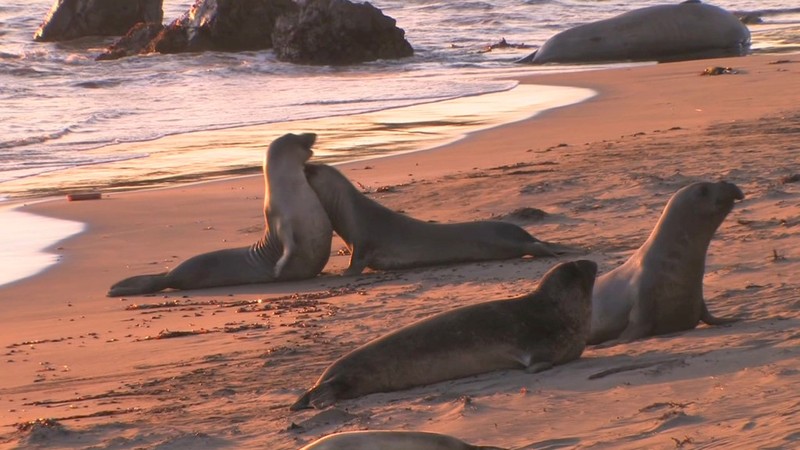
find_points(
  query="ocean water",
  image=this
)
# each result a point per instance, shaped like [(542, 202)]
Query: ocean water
[(70, 123), (25, 240), (61, 110)]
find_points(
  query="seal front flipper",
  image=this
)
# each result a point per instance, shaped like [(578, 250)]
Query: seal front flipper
[(286, 236), (640, 322), (531, 363), (540, 366), (139, 284), (357, 262), (708, 319)]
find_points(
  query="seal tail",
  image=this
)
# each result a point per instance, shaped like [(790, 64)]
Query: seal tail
[(140, 284)]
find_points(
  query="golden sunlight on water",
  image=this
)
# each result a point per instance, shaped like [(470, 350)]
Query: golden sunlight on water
[(211, 154)]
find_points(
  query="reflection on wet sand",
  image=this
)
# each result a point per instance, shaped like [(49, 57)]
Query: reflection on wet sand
[(238, 151)]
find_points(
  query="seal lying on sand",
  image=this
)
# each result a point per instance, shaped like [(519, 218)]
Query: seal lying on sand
[(660, 288), (383, 239), (689, 30), (391, 440), (296, 243), (533, 332)]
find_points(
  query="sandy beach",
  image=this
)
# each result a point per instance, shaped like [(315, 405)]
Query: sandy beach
[(218, 368)]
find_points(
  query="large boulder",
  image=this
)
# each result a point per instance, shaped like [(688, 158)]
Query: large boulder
[(338, 32), (227, 25), (246, 24), (70, 19)]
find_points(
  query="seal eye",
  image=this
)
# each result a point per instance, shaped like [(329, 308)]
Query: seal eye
[(703, 190)]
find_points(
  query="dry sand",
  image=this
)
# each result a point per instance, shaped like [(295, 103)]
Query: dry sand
[(218, 368)]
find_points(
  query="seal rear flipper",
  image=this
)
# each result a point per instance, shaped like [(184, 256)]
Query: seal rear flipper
[(527, 59), (320, 397), (303, 402), (543, 248), (708, 319), (539, 250), (139, 284)]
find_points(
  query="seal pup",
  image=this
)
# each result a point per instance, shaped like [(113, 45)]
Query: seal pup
[(296, 243), (689, 30), (392, 440), (382, 239), (659, 289), (534, 332)]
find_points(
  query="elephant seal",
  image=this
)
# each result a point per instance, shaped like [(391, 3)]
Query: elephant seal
[(534, 332), (383, 239), (296, 243), (392, 440), (659, 289), (689, 30)]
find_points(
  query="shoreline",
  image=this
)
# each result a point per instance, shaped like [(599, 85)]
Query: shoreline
[(430, 124), (602, 170), (221, 153)]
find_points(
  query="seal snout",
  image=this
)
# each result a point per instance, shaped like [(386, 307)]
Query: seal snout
[(737, 193), (733, 191)]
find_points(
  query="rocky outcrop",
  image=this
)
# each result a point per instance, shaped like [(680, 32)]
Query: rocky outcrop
[(134, 42), (334, 32), (223, 25), (338, 32), (246, 24), (226, 25), (70, 19)]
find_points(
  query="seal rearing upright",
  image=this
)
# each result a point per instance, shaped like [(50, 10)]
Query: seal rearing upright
[(659, 289), (296, 242), (383, 239)]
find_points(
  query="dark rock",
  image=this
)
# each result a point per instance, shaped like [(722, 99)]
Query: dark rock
[(71, 19), (134, 42), (227, 25), (338, 32), (174, 38), (247, 24)]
